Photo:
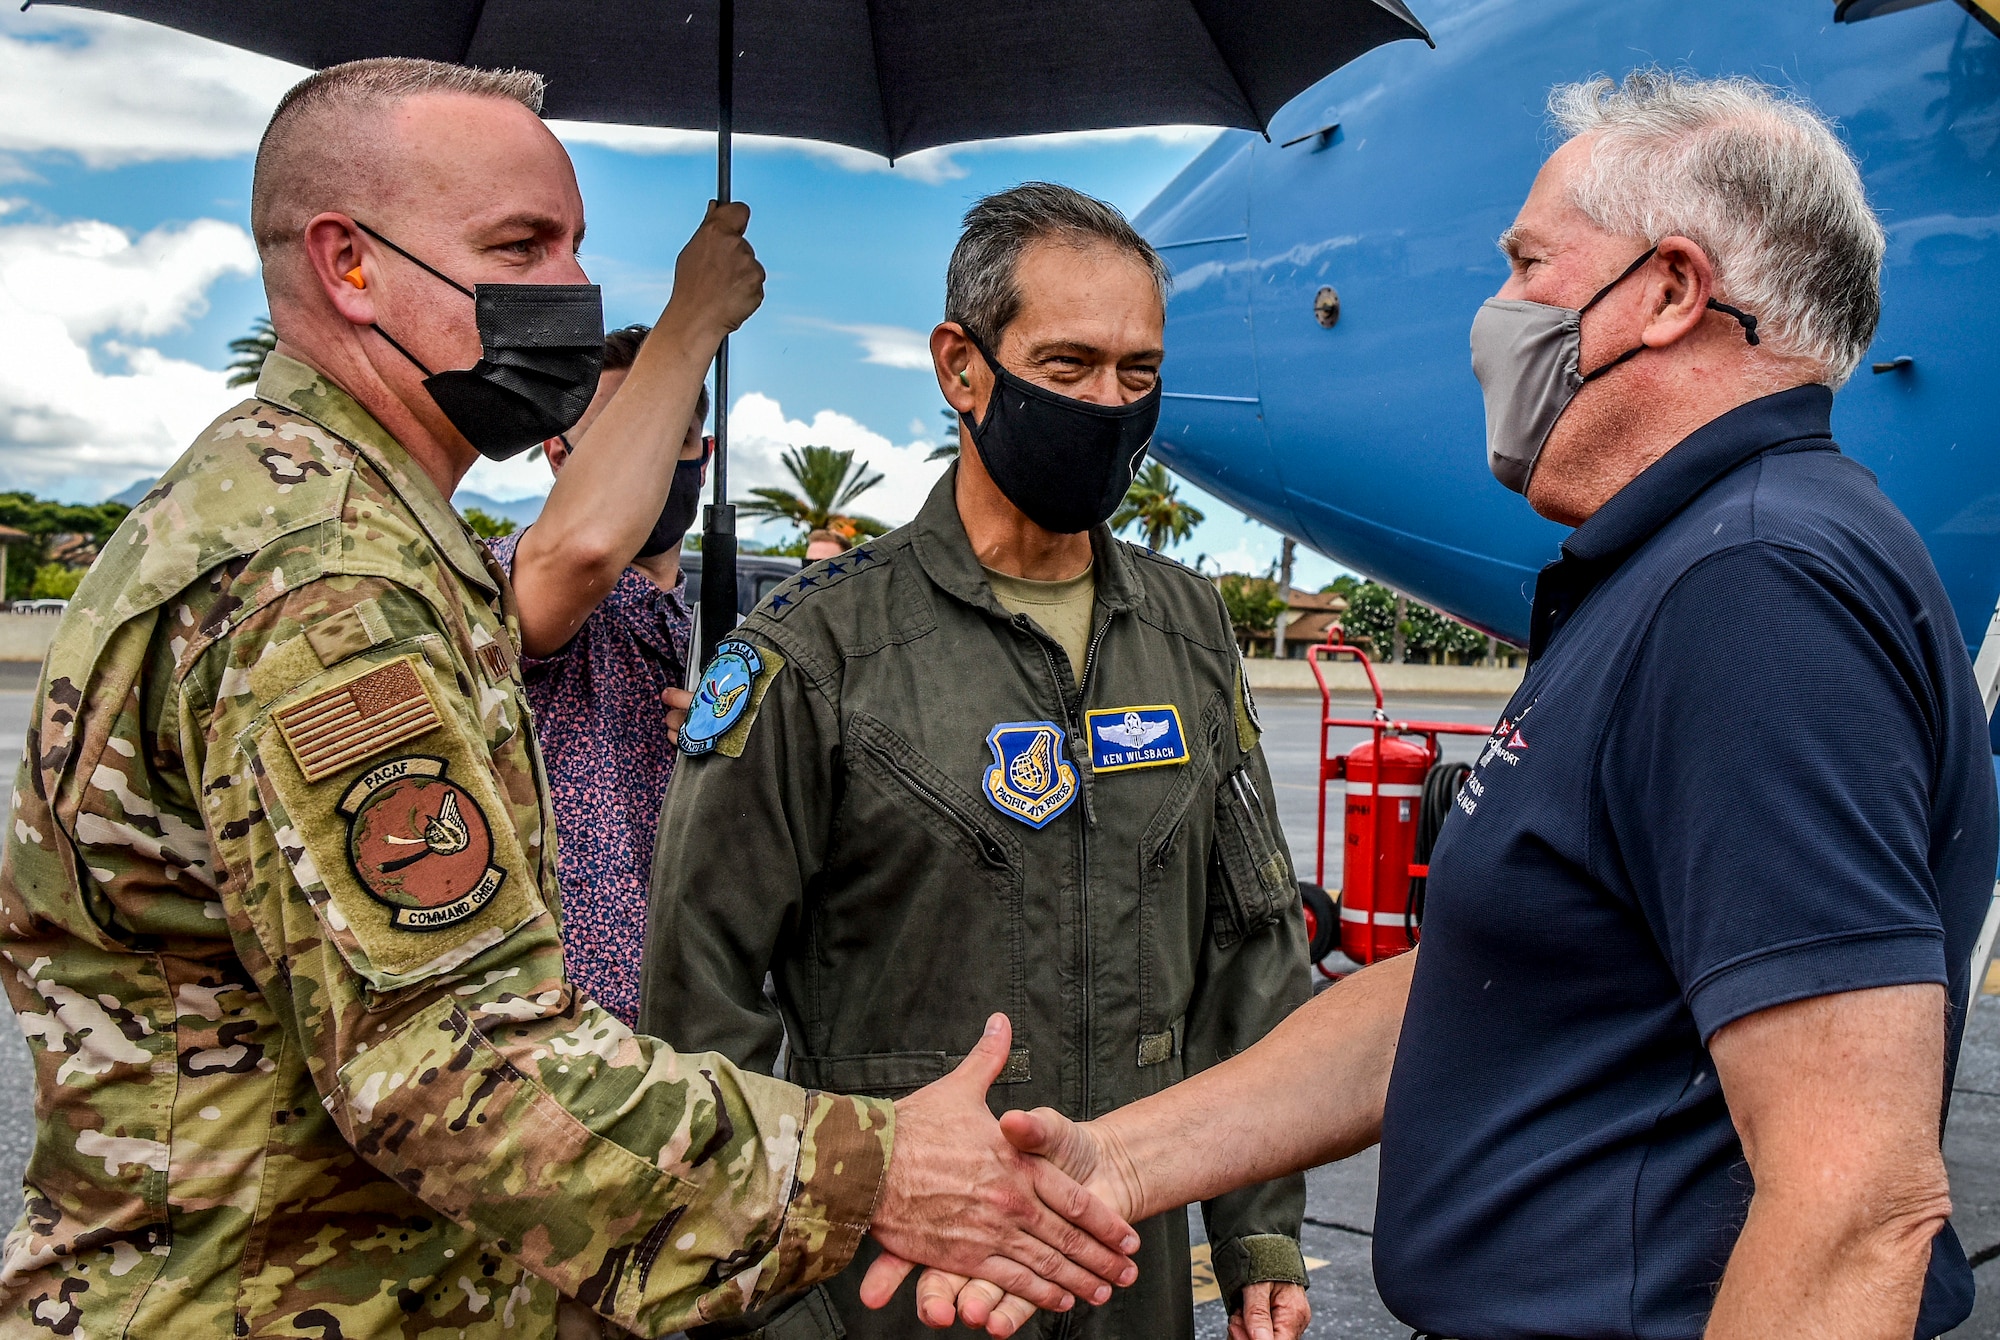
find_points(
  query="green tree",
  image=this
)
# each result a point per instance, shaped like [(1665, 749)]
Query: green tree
[(248, 352), (1254, 603), (947, 447), (44, 519), (1154, 505), (53, 581), (828, 482), (1441, 637), (1371, 613), (487, 526), (1371, 617)]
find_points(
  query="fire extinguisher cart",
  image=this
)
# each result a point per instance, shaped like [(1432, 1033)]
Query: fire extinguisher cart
[(1398, 790)]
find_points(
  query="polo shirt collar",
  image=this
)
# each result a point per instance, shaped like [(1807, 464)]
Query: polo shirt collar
[(939, 538), (1636, 512), (295, 386)]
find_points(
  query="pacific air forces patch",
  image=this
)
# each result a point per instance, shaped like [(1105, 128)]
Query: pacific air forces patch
[(1031, 779), (727, 699)]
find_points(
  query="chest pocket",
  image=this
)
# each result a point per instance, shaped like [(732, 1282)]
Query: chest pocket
[(1255, 888), (1175, 857), (915, 874)]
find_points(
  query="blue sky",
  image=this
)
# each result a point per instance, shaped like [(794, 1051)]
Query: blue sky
[(125, 267)]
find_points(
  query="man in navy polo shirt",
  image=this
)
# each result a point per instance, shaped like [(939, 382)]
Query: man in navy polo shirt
[(1673, 1059)]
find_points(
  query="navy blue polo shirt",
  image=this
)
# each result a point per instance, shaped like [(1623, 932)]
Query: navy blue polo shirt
[(1747, 766)]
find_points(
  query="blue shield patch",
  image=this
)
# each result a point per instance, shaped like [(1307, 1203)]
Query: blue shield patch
[(1030, 779), (1135, 737), (723, 696)]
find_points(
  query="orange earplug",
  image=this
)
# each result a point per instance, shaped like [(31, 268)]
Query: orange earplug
[(354, 277)]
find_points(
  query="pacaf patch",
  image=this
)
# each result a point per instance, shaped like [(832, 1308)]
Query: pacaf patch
[(1030, 779), (726, 701), (1122, 738), (420, 843), (410, 858)]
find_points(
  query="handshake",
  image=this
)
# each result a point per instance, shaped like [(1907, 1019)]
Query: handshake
[(1029, 1212)]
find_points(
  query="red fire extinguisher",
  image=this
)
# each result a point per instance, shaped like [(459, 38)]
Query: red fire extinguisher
[(1382, 816)]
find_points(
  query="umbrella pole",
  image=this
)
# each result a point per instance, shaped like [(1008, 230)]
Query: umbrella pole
[(718, 535)]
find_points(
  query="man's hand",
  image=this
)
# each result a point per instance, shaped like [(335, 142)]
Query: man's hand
[(944, 1297), (1309, 1093), (959, 1196), (718, 282), (1273, 1311), (677, 702)]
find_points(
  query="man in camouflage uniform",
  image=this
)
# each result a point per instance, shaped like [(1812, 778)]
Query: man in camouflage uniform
[(278, 902)]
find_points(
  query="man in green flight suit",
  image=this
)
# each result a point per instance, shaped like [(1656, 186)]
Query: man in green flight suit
[(999, 760), (278, 899)]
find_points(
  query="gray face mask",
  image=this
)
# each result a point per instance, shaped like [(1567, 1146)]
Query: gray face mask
[(1527, 356)]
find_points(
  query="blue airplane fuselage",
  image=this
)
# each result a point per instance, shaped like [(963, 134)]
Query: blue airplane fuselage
[(1366, 439)]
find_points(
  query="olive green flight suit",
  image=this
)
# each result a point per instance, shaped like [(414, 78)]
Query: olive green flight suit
[(845, 836), (279, 914)]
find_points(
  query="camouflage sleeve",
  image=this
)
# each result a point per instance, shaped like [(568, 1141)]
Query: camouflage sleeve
[(379, 819)]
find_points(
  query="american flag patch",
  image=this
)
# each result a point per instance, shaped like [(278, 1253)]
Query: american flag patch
[(340, 727)]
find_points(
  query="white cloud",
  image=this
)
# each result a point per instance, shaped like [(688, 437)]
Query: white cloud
[(97, 278), (525, 476), (76, 402), (115, 90), (1251, 554), (759, 432), (891, 346)]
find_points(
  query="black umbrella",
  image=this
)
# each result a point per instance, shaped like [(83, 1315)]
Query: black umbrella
[(888, 76)]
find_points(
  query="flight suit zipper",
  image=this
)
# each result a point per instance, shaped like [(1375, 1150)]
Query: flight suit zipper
[(989, 846), (1076, 727), (1071, 711)]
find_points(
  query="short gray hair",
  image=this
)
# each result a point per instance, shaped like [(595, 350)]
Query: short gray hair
[(979, 289), (300, 156), (1758, 180)]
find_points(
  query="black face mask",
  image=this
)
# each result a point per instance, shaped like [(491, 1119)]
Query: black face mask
[(683, 501), (1066, 463), (541, 349)]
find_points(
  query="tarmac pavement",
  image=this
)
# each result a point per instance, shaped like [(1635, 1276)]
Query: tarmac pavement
[(1340, 1198)]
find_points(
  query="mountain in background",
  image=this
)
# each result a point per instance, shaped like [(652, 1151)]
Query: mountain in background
[(521, 510)]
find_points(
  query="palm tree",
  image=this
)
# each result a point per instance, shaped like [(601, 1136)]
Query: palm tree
[(1153, 505), (828, 481), (250, 352), (947, 447)]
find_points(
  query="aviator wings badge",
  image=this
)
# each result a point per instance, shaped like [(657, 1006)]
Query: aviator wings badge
[(1030, 779)]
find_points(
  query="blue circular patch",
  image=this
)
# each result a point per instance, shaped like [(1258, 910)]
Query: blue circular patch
[(723, 697)]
